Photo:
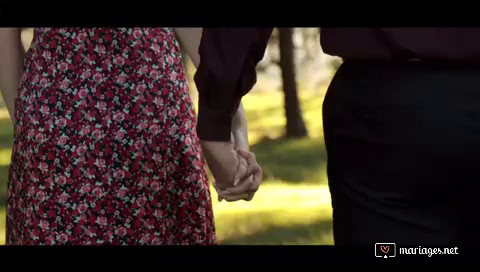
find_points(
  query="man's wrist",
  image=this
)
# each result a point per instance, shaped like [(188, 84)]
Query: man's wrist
[(240, 139)]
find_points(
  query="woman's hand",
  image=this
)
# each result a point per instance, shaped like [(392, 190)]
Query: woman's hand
[(11, 66)]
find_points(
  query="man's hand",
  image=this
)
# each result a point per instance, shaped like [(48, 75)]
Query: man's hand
[(247, 187)]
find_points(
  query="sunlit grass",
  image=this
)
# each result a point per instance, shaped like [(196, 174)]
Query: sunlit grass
[(294, 161), (5, 155), (3, 218), (276, 206), (6, 130), (4, 169), (278, 195)]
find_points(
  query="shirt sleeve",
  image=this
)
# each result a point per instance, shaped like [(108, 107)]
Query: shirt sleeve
[(228, 58)]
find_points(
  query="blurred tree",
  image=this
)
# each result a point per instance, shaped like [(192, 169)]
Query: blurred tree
[(334, 64), (295, 127), (307, 45), (271, 54)]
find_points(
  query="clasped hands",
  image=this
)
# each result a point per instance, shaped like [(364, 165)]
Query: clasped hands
[(235, 170)]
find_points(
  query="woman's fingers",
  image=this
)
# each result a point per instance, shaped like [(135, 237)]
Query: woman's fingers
[(232, 198), (220, 193), (239, 193), (242, 187)]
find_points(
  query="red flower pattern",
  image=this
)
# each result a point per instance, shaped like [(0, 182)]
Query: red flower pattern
[(105, 148)]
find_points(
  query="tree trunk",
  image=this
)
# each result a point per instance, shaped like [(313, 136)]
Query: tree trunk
[(296, 127)]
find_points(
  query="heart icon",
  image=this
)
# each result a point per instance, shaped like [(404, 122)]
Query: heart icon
[(385, 249)]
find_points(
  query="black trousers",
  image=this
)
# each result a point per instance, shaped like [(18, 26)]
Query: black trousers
[(403, 147)]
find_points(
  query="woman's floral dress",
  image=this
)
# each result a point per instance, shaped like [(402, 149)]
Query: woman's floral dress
[(105, 148)]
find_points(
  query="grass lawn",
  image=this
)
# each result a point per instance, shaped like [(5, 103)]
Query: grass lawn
[(292, 206)]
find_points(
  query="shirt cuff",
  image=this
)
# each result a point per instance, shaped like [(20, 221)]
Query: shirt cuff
[(213, 125)]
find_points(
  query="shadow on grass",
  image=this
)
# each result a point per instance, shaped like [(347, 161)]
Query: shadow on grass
[(257, 114), (318, 233), (3, 185), (6, 133), (292, 160)]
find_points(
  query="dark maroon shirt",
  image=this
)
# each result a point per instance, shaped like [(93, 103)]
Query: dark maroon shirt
[(228, 57)]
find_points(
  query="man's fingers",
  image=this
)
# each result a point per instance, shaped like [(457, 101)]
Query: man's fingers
[(251, 160), (257, 177), (255, 185), (249, 186), (246, 154), (248, 179), (242, 169)]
